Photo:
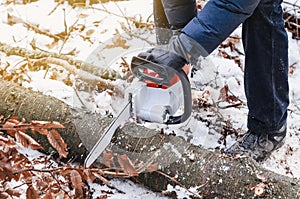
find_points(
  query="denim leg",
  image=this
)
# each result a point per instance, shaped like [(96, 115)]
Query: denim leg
[(217, 20), (179, 12), (266, 67), (161, 23), (173, 15)]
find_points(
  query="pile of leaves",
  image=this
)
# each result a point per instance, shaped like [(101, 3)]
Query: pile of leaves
[(41, 176), (46, 177)]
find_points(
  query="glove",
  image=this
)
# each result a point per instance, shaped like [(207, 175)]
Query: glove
[(180, 50), (173, 54)]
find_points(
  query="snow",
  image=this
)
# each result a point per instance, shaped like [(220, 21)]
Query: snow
[(126, 189), (215, 73)]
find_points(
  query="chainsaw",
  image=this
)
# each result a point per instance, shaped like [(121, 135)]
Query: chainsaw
[(157, 95)]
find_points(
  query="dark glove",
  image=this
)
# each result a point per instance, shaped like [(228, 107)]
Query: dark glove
[(173, 54), (180, 50), (164, 58)]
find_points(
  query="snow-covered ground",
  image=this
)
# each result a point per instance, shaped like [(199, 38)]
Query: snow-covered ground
[(96, 27)]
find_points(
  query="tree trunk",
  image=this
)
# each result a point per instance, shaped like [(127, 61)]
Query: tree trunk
[(210, 173)]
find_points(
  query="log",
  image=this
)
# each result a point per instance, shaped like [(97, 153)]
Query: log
[(211, 174)]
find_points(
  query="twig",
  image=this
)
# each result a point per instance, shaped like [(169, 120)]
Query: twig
[(231, 105), (111, 13), (57, 5), (123, 16), (126, 18), (141, 38), (58, 169), (67, 31), (65, 22), (125, 62), (13, 19), (20, 185), (79, 98), (292, 4), (39, 31)]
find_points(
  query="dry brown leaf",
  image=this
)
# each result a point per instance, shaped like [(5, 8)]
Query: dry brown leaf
[(14, 119), (76, 181), (4, 195), (13, 192), (119, 42), (31, 193), (127, 165), (88, 175), (108, 158), (57, 142), (48, 195), (82, 16), (4, 139), (89, 32), (1, 118), (152, 167), (41, 131), (9, 126), (102, 197), (292, 69), (27, 141), (224, 93), (47, 124)]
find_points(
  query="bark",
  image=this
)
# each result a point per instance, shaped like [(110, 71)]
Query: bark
[(212, 174)]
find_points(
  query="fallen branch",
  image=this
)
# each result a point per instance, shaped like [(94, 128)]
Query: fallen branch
[(13, 20), (86, 77), (33, 54)]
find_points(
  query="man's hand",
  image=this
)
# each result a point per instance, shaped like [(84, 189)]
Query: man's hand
[(180, 51), (164, 58), (172, 54)]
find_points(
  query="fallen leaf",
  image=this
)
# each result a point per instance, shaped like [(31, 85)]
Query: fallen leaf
[(57, 142), (119, 42), (152, 167), (46, 124), (13, 192), (76, 181), (89, 32), (127, 165), (27, 141), (41, 131), (31, 193), (223, 93), (88, 175)]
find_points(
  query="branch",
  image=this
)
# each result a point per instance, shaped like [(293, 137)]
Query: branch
[(34, 54), (13, 20), (86, 77)]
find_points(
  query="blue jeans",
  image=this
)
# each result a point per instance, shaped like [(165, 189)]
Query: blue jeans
[(266, 53)]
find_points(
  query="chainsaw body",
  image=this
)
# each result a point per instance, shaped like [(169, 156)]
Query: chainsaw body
[(159, 92)]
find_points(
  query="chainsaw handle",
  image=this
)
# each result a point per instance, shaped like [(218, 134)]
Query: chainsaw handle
[(140, 65), (186, 87), (163, 77)]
